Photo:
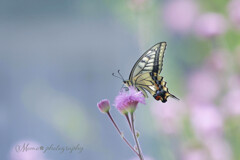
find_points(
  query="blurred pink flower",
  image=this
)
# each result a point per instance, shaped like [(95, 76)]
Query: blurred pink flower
[(234, 82), (18, 152), (234, 12), (195, 154), (210, 25), (203, 86), (180, 14), (218, 148), (231, 102), (168, 115), (217, 61), (206, 120)]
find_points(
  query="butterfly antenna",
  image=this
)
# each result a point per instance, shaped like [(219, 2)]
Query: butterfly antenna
[(120, 75), (116, 76)]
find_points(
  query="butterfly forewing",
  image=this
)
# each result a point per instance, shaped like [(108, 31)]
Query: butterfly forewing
[(151, 60)]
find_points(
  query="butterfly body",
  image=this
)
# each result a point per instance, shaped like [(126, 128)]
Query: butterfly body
[(145, 75)]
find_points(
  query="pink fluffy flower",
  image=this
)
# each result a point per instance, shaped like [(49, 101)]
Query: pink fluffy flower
[(179, 15), (206, 120), (234, 12), (210, 25), (104, 105), (127, 101)]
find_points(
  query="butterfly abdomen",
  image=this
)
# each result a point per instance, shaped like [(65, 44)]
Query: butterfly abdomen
[(161, 95), (161, 92)]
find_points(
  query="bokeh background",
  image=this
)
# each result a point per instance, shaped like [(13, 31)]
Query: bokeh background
[(56, 61)]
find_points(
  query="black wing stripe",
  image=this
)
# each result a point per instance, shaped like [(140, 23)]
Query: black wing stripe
[(156, 62)]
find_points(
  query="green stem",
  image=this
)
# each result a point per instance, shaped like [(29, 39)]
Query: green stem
[(129, 123)]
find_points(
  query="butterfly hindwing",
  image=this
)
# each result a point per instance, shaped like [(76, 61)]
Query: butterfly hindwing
[(144, 82), (153, 84)]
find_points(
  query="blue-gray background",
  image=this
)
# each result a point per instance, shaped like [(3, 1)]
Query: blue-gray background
[(56, 61)]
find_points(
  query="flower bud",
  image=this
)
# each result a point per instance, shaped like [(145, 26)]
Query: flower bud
[(104, 105)]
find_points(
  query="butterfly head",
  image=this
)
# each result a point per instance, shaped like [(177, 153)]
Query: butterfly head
[(127, 83)]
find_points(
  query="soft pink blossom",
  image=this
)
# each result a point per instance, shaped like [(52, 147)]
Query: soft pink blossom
[(203, 86), (168, 115), (127, 101), (206, 120), (234, 12), (210, 25), (180, 14), (19, 153), (104, 105)]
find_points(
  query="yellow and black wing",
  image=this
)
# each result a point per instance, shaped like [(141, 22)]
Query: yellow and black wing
[(145, 75), (150, 61)]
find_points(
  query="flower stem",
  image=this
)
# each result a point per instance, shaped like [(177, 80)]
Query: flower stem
[(135, 138), (129, 123), (121, 134)]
